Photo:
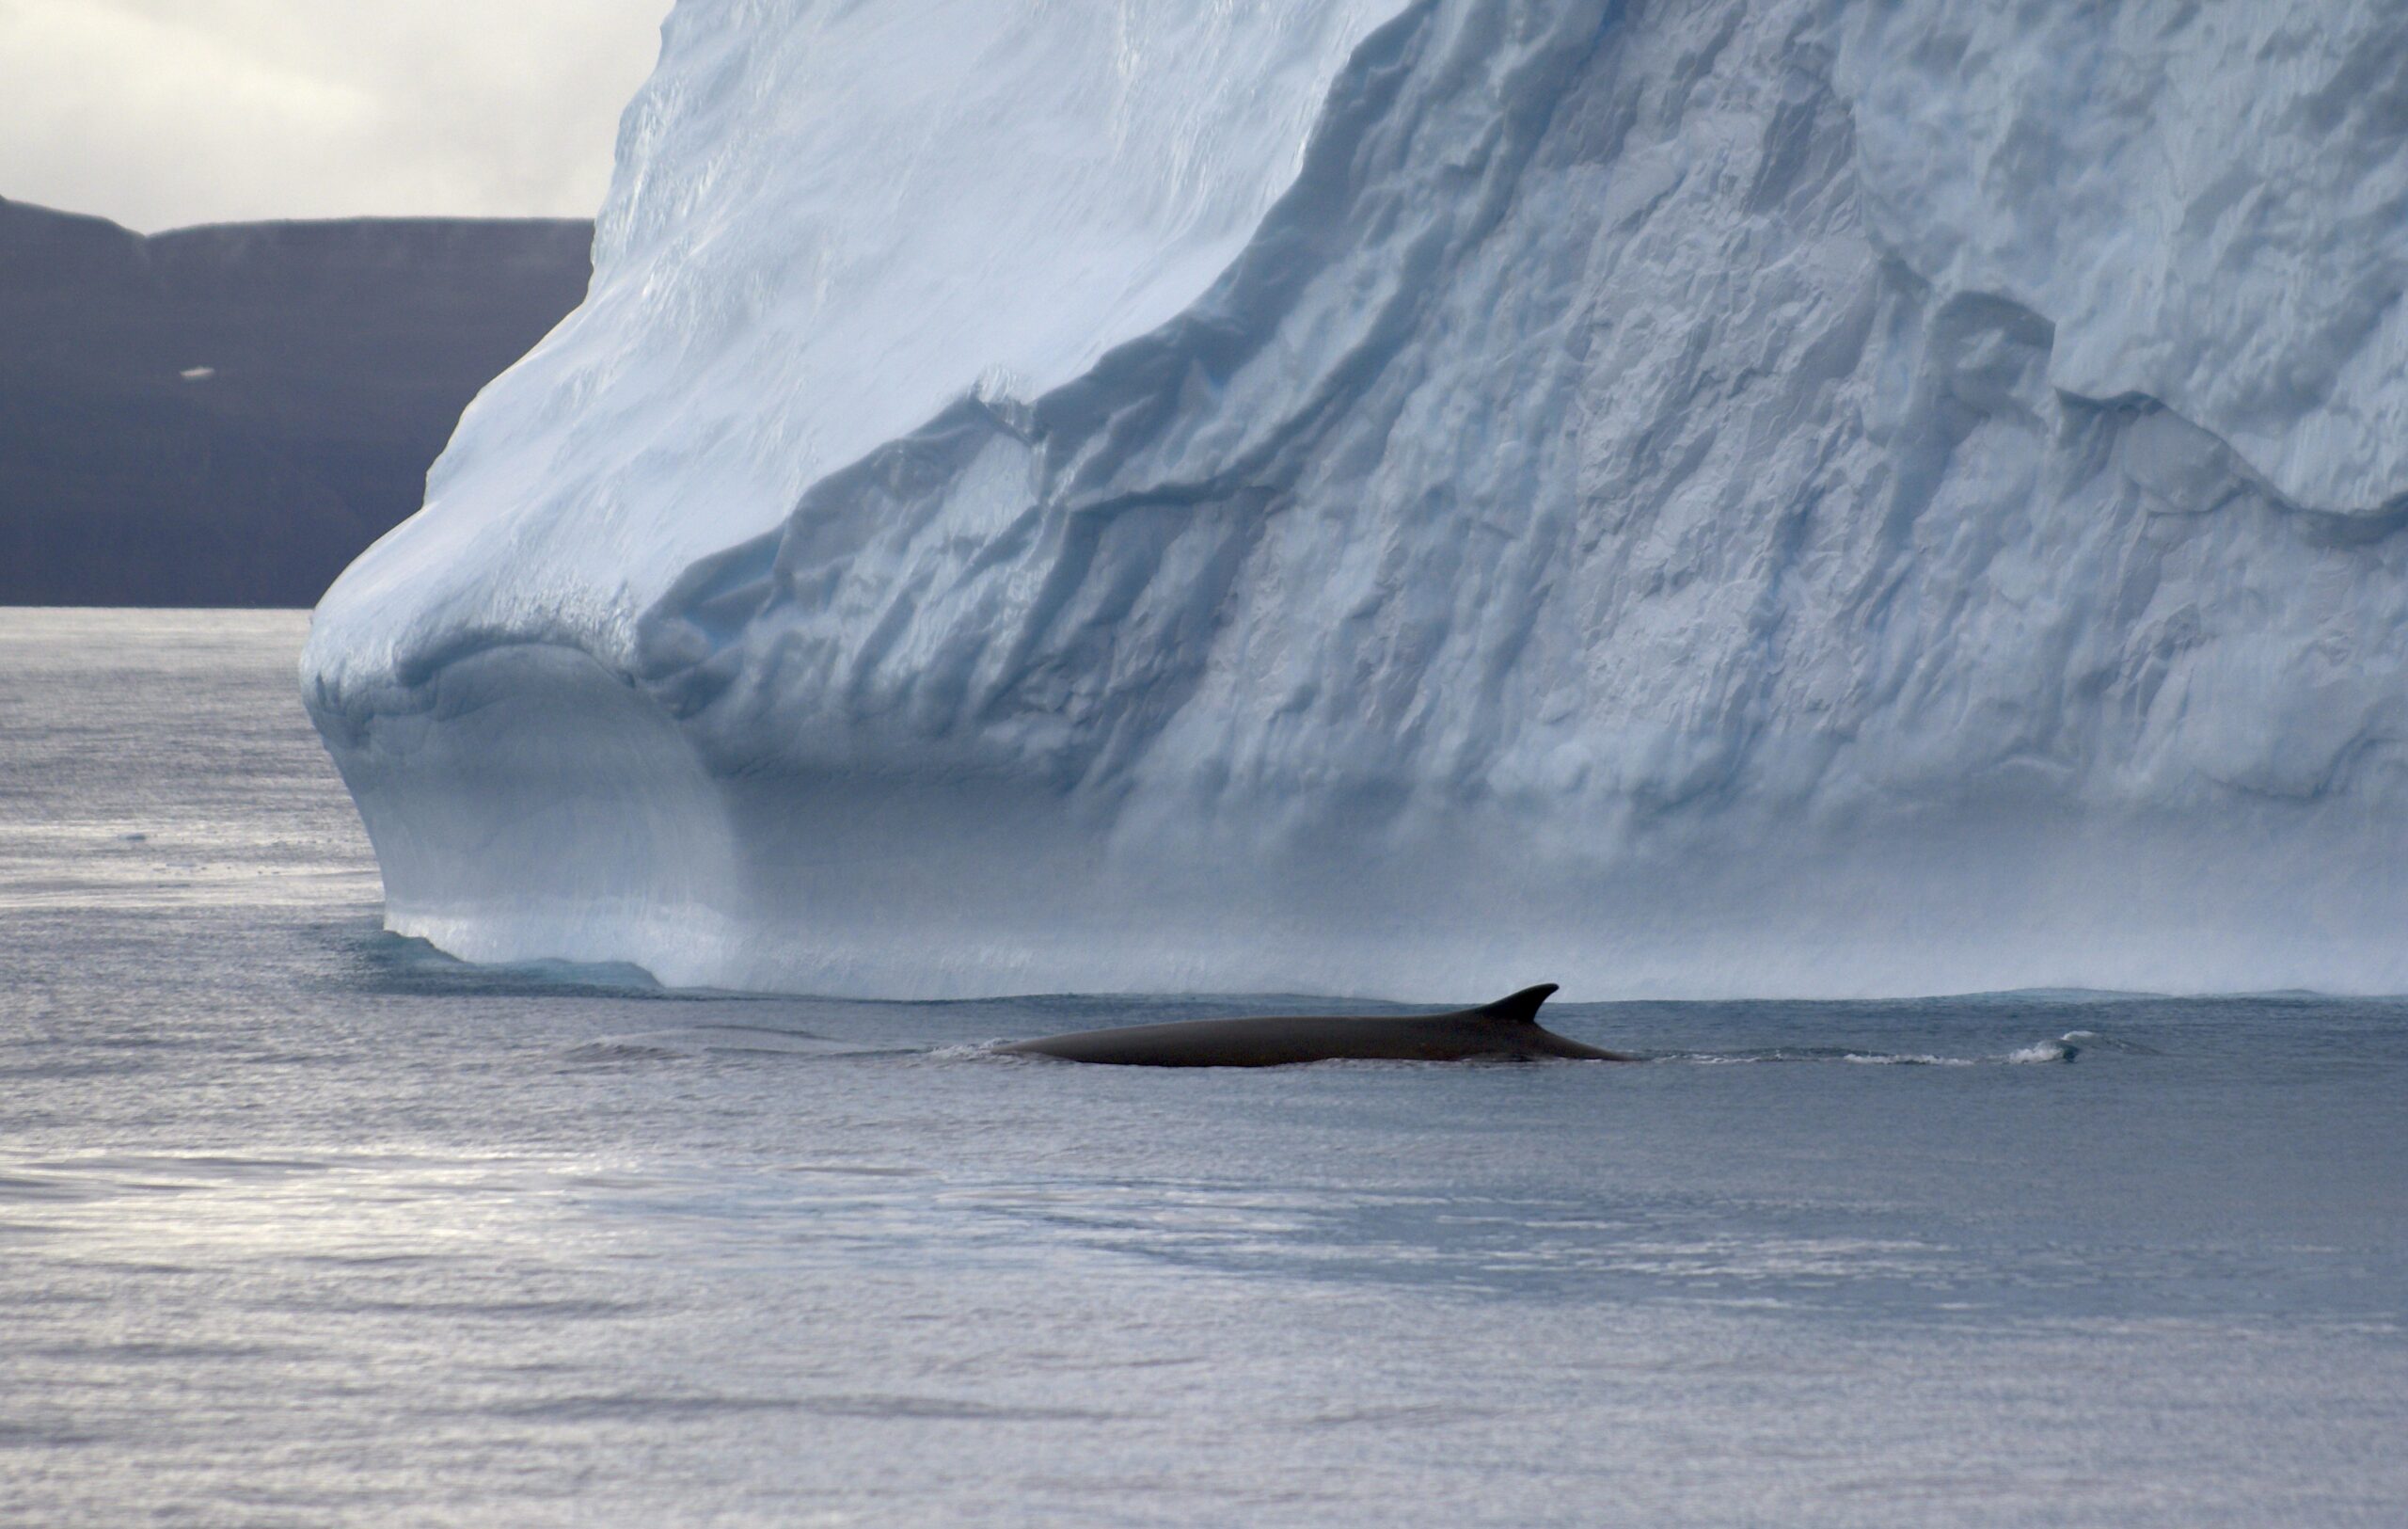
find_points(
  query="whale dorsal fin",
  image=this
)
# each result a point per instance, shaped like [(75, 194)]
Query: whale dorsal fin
[(1516, 1008)]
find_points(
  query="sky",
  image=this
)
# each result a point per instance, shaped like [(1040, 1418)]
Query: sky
[(164, 113)]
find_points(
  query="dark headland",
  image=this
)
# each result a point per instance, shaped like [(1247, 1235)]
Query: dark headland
[(228, 415)]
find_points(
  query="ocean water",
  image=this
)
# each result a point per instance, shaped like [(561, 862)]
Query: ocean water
[(301, 1222)]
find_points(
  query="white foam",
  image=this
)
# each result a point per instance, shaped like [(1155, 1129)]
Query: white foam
[(2045, 1051)]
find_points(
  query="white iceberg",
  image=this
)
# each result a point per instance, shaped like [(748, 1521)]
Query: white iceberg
[(1418, 498)]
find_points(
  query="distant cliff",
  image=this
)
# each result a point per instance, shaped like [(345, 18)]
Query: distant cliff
[(229, 415)]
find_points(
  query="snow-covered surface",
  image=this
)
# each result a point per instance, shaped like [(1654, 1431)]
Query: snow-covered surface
[(829, 222), (1418, 499)]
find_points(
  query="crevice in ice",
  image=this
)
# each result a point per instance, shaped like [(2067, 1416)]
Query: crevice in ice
[(1102, 541)]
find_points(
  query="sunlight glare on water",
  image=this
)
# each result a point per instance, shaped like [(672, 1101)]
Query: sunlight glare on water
[(305, 1222)]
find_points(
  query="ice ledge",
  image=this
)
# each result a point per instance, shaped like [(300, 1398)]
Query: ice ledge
[(537, 808)]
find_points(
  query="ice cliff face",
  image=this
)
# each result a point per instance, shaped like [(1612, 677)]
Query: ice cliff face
[(1720, 497)]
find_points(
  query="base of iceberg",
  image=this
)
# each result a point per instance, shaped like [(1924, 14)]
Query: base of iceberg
[(1418, 499), (538, 807)]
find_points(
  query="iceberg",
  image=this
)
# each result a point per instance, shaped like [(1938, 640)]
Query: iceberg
[(1410, 499)]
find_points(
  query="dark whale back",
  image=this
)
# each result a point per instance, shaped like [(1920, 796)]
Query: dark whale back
[(1508, 1027)]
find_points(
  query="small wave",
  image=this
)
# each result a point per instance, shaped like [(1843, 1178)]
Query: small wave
[(689, 1042), (1436, 1415), (947, 1410), (618, 1406), (989, 1050), (2094, 1041), (2063, 1050), (25, 1186), (594, 1051)]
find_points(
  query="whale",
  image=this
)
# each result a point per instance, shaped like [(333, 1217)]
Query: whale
[(1506, 1029)]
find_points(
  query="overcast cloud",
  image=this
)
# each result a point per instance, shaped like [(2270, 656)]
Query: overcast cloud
[(163, 113)]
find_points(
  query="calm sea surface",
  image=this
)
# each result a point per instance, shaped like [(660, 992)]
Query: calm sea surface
[(303, 1223)]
